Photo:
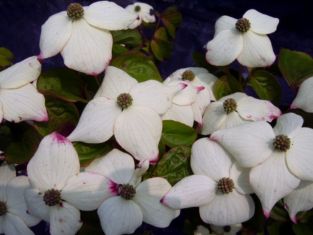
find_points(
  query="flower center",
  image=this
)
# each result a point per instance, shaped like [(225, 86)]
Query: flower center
[(188, 75), (225, 185), (3, 208), (137, 8), (229, 105), (75, 11), (126, 191), (124, 100), (243, 25), (281, 143), (52, 197)]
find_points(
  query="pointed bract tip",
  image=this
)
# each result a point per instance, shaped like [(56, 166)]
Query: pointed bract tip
[(293, 106), (294, 219), (154, 160), (59, 138), (200, 88), (113, 187), (44, 118), (266, 214), (40, 58), (213, 138), (183, 85)]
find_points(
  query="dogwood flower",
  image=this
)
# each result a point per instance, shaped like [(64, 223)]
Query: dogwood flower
[(143, 11), (196, 78), (129, 110), (19, 98), (58, 189), (245, 40), (299, 200), (279, 156), (14, 218), (132, 201), (304, 98), (237, 109), (219, 187), (82, 35)]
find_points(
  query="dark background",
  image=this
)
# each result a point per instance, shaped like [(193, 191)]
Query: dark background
[(20, 22)]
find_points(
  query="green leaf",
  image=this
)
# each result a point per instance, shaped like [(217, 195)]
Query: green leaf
[(295, 66), (226, 85), (118, 49), (138, 66), (278, 213), (160, 45), (171, 18), (174, 165), (6, 57), (265, 85), (62, 83), (131, 38), (303, 229), (176, 133), (88, 152), (23, 148), (63, 116)]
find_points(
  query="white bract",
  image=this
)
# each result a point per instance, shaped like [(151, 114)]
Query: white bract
[(279, 156), (128, 110), (19, 98), (82, 35), (237, 109), (58, 189), (300, 199), (131, 201), (189, 104), (219, 187), (143, 11), (304, 98), (245, 40), (14, 218)]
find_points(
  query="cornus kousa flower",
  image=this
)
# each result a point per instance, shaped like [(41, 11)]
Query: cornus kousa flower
[(236, 109), (14, 218), (279, 156), (144, 12), (304, 98), (299, 200), (189, 105), (58, 189), (245, 40), (19, 98), (82, 35), (129, 110), (218, 187), (131, 201)]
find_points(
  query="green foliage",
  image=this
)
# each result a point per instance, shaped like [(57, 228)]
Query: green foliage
[(265, 85), (62, 117), (174, 165), (138, 66), (176, 133), (225, 85), (295, 66), (130, 38), (160, 45), (171, 18), (6, 57)]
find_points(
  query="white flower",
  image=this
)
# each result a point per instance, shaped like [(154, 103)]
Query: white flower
[(14, 218), (219, 187), (278, 156), (132, 202), (143, 11), (201, 230), (58, 189), (245, 40), (304, 98), (188, 105), (129, 110), (236, 109), (300, 199), (19, 98), (82, 35)]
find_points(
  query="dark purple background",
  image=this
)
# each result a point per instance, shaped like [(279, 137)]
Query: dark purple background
[(20, 22)]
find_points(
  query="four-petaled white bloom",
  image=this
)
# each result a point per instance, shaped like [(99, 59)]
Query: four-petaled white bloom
[(58, 189), (304, 98), (129, 110), (189, 104), (131, 201), (143, 11), (237, 109), (219, 187), (19, 98), (245, 40), (82, 35), (14, 218), (279, 156)]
